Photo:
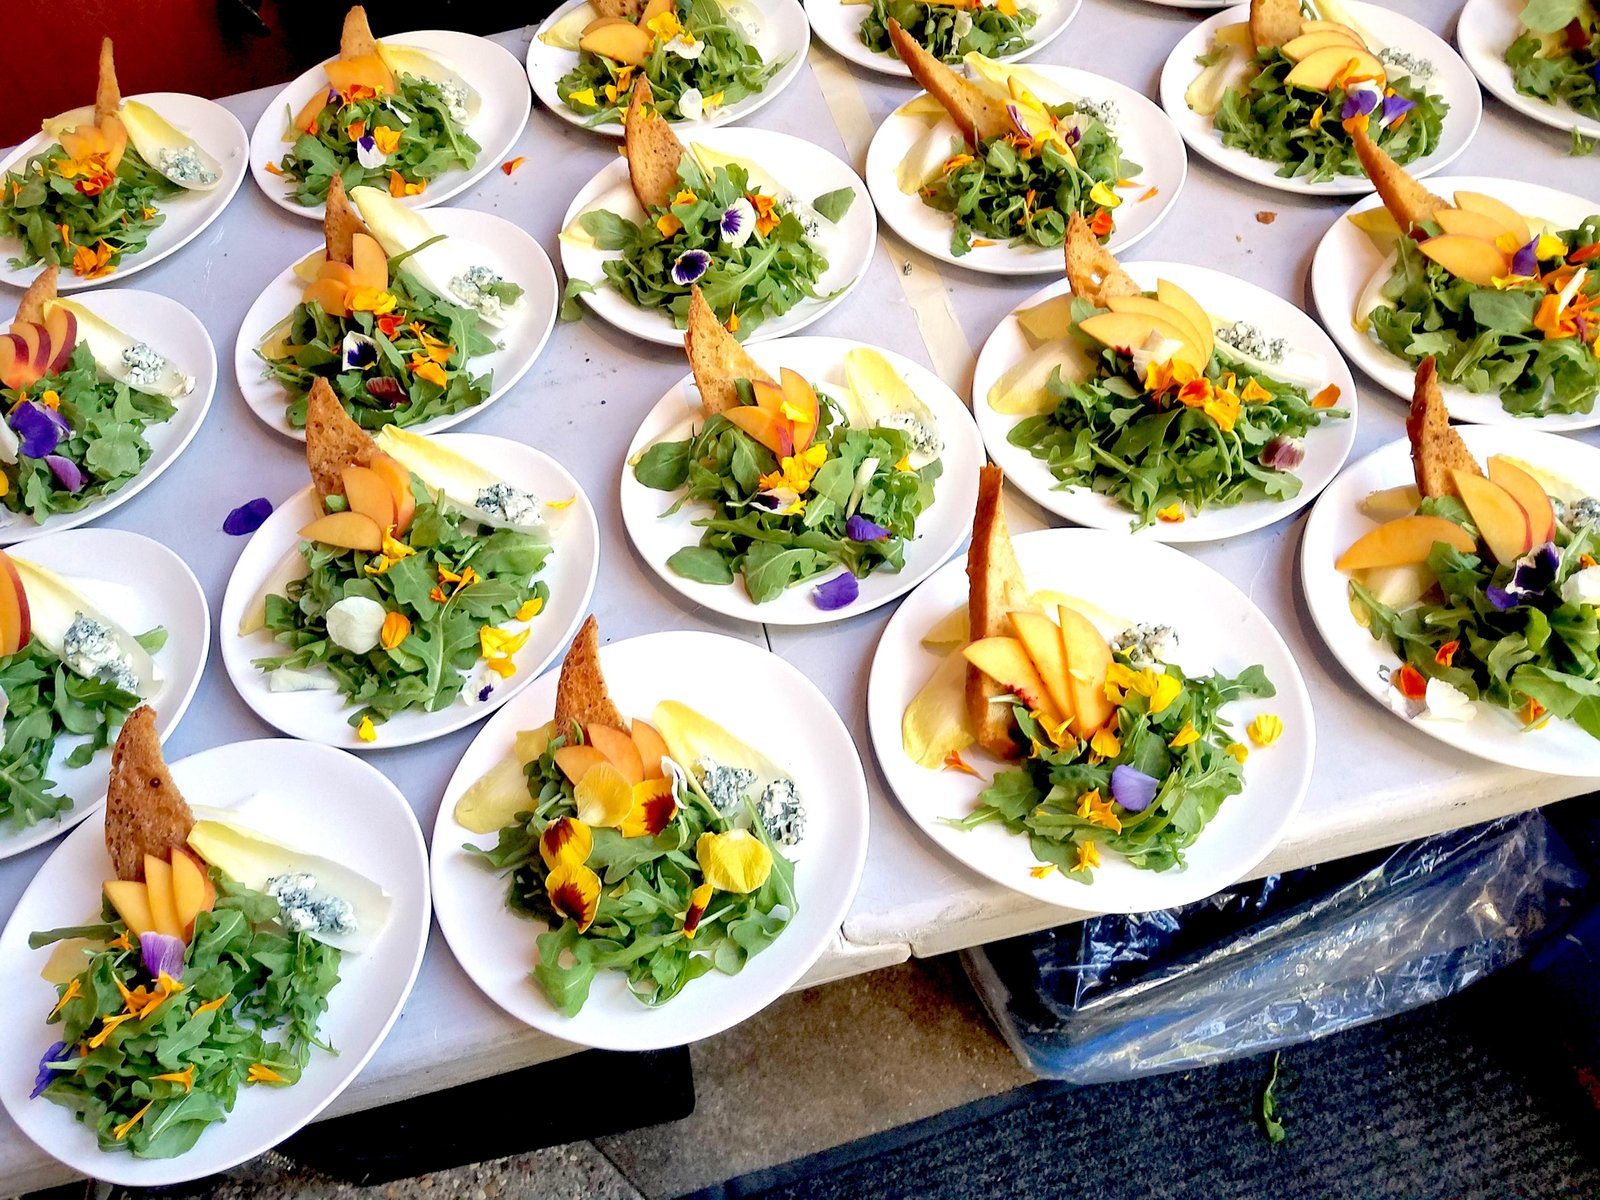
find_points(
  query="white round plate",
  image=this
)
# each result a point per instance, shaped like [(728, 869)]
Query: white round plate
[(808, 170), (518, 257), (310, 797), (716, 675), (941, 529), (1345, 260), (174, 332), (1146, 136), (838, 24), (1560, 748), (212, 127), (569, 571), (783, 33), (1484, 31), (1451, 79), (1327, 446), (1129, 581), (492, 70), (142, 584)]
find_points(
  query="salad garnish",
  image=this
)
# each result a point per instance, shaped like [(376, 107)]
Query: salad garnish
[(414, 586), (390, 317), (208, 971), (1484, 583), (391, 115), (951, 29), (1119, 749), (1505, 303), (751, 246), (1292, 91), (1139, 396), (1028, 157), (1557, 56), (659, 849), (697, 56), (800, 479)]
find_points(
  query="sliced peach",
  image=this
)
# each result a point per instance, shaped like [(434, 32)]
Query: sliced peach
[(35, 341), (1468, 223), (1527, 492), (1088, 660), (619, 750), (132, 902), (601, 23), (800, 397), (652, 748), (371, 264), (1004, 660), (343, 272), (768, 396), (192, 889), (16, 366), (364, 70), (14, 618), (62, 325), (1319, 70), (83, 141), (1501, 521), (1504, 215), (1403, 540), (309, 112), (1127, 331), (772, 430), (330, 294), (398, 480), (624, 43), (158, 883), (116, 135), (347, 530), (575, 761), (1041, 638), (1306, 44), (655, 8), (369, 495), (1469, 258)]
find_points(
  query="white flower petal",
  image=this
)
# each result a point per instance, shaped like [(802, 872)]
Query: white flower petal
[(1582, 587), (685, 49), (691, 105), (355, 624), (370, 157), (1446, 702)]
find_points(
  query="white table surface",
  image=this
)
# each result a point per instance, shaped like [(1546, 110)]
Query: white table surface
[(1376, 783)]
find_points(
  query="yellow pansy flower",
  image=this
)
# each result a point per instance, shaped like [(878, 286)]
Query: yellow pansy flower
[(1265, 729)]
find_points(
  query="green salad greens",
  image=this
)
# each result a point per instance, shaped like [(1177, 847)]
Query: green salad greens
[(400, 141), (1021, 190), (400, 629), (1558, 59), (1522, 636), (1144, 787), (80, 438), (754, 256), (80, 213), (1303, 130), (949, 29), (149, 1068), (1526, 341), (404, 360), (44, 703), (699, 59), (848, 499), (661, 902)]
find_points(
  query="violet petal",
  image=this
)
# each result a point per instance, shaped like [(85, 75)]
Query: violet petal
[(1395, 107), (387, 391), (68, 474), (46, 1071), (162, 954), (40, 427), (1525, 261), (1283, 454), (247, 518), (691, 265), (1500, 598), (1132, 788), (1017, 121), (836, 593), (859, 529)]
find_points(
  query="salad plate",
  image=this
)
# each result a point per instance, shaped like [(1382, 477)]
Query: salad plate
[(1441, 686), (457, 116), (1194, 663), (682, 686), (856, 30), (129, 586), (1353, 263), (1392, 53), (919, 147), (314, 682), (751, 50), (1490, 34), (498, 352), (284, 805), (133, 366), (1016, 362), (861, 393), (609, 241), (170, 161)]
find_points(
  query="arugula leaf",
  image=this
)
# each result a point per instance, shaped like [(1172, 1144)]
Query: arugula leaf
[(942, 31)]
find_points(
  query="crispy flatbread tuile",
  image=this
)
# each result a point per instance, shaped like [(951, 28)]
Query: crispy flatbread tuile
[(653, 150), (40, 292), (1274, 22), (995, 586), (716, 358), (107, 96), (145, 812), (1092, 270), (581, 693), (622, 10), (340, 224), (1436, 447), (333, 442), (976, 113), (355, 39), (1407, 200)]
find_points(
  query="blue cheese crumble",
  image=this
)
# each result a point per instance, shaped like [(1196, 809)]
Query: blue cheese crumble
[(1403, 62), (923, 440), (724, 786), (1248, 340), (782, 813), (1104, 111), (184, 166), (1585, 512), (475, 288), (144, 366), (302, 909), (509, 504), (1146, 645), (454, 94), (90, 650)]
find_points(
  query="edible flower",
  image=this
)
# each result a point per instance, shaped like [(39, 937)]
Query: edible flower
[(1186, 736), (1531, 712), (1327, 397), (836, 593), (261, 1073), (367, 731), (424, 367), (74, 989), (736, 861), (795, 472), (1265, 729), (399, 188), (1102, 195), (1105, 743), (1531, 579), (49, 1063), (211, 1005), (358, 352), (396, 628), (1446, 653), (41, 428), (858, 529), (1132, 788), (585, 97), (699, 899), (654, 805), (68, 474), (1097, 811), (1409, 682), (185, 1077), (1086, 856), (531, 608), (1043, 871), (1282, 453), (1237, 751), (1395, 108), (498, 645), (574, 892), (368, 154), (954, 762), (162, 955), (565, 840), (668, 224), (248, 517), (108, 1028), (92, 264), (1100, 224), (391, 551), (690, 266), (511, 165), (121, 1131), (370, 299), (603, 796), (1316, 117), (691, 104), (738, 222), (1172, 513), (388, 140), (766, 215)]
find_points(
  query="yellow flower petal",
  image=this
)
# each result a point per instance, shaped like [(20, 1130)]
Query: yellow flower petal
[(1238, 751), (185, 1077), (1172, 513), (261, 1073), (121, 1131), (1102, 195), (531, 608), (574, 892), (1086, 856), (501, 643), (1106, 743), (603, 796), (396, 628), (1186, 736), (1265, 729), (699, 900), (1042, 872), (654, 806), (367, 731), (1166, 691), (566, 839), (736, 861)]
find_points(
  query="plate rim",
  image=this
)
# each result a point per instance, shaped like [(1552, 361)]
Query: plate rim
[(1495, 74)]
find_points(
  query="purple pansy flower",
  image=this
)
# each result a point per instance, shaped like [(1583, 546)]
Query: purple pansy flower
[(1132, 788), (40, 427), (358, 352), (836, 593), (68, 474), (162, 954), (1525, 261), (1074, 135), (738, 222), (46, 1071), (368, 154), (1530, 581), (1283, 453), (1359, 103), (691, 265), (247, 518), (859, 529), (1395, 107)]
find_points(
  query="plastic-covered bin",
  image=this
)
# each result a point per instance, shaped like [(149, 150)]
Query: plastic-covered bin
[(1280, 960)]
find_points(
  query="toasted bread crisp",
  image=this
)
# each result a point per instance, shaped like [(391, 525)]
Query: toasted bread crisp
[(1092, 270), (653, 150), (1436, 447), (976, 113), (340, 224), (333, 442), (40, 292), (995, 587), (581, 693), (107, 96), (1274, 22), (1407, 200), (355, 39), (145, 812), (716, 358), (621, 10)]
